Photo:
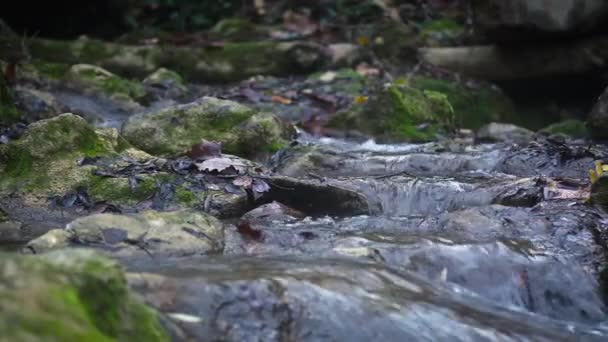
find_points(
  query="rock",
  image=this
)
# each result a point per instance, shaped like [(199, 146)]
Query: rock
[(240, 129), (475, 103), (229, 62), (503, 132), (8, 111), (99, 80), (36, 104), (51, 240), (599, 191), (237, 30), (165, 83), (346, 55), (71, 295), (399, 113), (273, 211), (502, 18), (169, 234), (306, 301), (572, 128), (504, 62), (43, 162), (597, 120)]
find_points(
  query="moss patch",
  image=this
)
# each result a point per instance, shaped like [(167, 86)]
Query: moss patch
[(119, 191), (399, 113), (45, 159), (573, 128), (106, 82), (473, 107), (71, 296)]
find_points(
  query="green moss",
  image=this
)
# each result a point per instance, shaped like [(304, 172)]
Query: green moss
[(235, 30), (445, 25), (71, 296), (185, 197), (108, 83), (46, 156), (572, 127), (473, 108), (50, 70), (118, 190)]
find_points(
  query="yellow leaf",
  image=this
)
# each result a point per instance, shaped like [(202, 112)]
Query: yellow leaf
[(360, 99), (598, 168), (363, 40), (592, 176)]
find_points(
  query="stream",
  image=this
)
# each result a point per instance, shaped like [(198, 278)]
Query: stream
[(463, 243)]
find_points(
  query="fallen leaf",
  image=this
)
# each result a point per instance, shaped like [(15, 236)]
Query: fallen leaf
[(244, 181), (360, 99), (280, 99), (366, 70), (363, 40), (244, 228), (205, 150), (221, 164), (259, 186)]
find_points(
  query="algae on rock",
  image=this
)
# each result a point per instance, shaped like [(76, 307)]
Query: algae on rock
[(44, 161), (399, 113), (241, 130), (71, 296)]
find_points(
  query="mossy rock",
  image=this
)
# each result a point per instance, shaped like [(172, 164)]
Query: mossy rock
[(241, 130), (44, 160), (8, 111), (441, 31), (71, 296), (237, 30), (399, 113), (473, 107), (572, 128), (100, 80), (229, 62), (164, 77)]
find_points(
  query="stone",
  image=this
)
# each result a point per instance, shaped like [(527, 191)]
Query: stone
[(597, 120), (522, 16), (169, 234), (69, 296), (572, 128), (503, 132), (241, 130)]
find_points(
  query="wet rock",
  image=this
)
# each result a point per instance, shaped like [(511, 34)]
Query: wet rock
[(598, 118), (399, 113), (315, 197), (52, 298), (346, 55), (229, 62), (274, 299), (572, 128), (273, 211), (521, 16), (11, 231), (503, 132), (241, 130), (177, 233), (552, 158)]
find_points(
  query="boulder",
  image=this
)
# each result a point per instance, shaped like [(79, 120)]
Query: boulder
[(241, 130), (518, 17), (399, 112), (71, 296), (504, 132), (572, 128), (177, 233), (597, 120)]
